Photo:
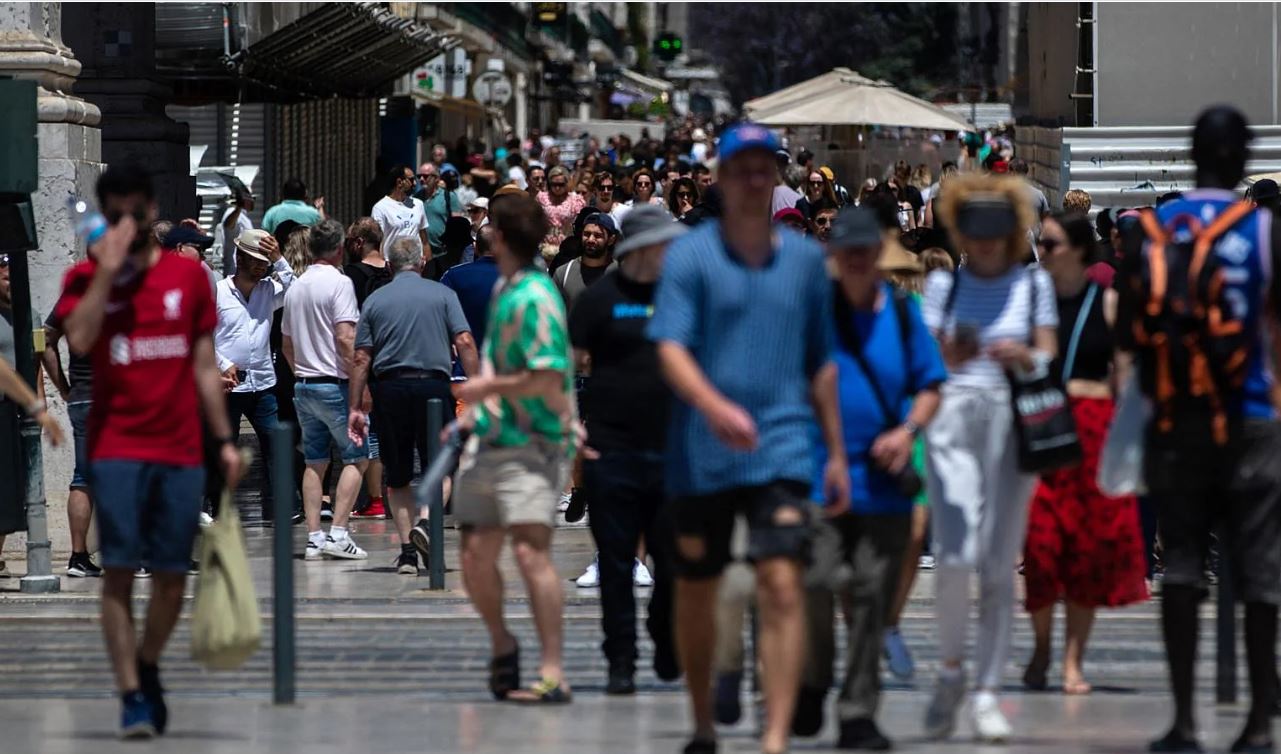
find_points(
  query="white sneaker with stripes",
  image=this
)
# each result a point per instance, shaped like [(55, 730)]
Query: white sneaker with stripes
[(343, 548)]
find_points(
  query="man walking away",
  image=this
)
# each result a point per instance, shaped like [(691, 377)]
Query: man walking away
[(523, 414), (406, 334), (626, 426), (1207, 459), (474, 282), (735, 302), (319, 329), (247, 303), (146, 319)]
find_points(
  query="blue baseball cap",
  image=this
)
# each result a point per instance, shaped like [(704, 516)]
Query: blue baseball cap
[(745, 136), (602, 220)]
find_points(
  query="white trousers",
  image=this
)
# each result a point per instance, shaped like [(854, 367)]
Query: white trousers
[(979, 502)]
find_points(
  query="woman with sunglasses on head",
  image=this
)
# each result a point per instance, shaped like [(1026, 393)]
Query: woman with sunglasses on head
[(561, 207), (684, 197), (816, 190), (993, 318), (1082, 546)]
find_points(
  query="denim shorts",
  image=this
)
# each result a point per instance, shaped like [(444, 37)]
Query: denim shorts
[(147, 513), (79, 415), (322, 414)]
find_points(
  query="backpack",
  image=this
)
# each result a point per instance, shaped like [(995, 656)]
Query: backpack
[(1192, 348)]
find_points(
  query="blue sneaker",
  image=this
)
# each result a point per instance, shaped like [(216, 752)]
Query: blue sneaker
[(898, 656), (149, 680), (136, 723)]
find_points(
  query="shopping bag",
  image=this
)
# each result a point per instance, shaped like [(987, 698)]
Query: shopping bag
[(225, 625), (1121, 463)]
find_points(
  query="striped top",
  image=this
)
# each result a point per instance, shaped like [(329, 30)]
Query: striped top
[(759, 334)]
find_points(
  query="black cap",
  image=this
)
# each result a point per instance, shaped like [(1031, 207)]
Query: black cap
[(855, 227), (1265, 189), (181, 234), (986, 216)]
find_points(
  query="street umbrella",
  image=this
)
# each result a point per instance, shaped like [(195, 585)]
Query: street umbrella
[(853, 100)]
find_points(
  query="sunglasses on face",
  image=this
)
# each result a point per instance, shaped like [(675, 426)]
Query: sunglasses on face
[(1048, 245), (816, 184), (643, 184), (822, 222), (605, 189), (558, 184), (684, 195)]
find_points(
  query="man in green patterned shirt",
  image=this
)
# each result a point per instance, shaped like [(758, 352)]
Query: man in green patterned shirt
[(523, 419)]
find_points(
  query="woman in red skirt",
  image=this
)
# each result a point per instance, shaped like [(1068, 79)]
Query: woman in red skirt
[(1082, 547)]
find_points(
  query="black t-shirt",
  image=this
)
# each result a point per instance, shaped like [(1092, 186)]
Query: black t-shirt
[(366, 278), (79, 371), (626, 400)]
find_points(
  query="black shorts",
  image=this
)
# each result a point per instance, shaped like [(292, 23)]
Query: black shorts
[(711, 518), (400, 414), (1236, 488)]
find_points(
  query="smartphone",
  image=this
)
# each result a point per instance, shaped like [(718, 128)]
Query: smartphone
[(966, 336)]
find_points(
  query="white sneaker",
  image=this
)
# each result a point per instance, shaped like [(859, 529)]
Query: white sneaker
[(990, 725), (313, 551), (563, 505), (206, 520), (591, 577), (345, 549), (940, 716), (641, 575), (926, 563)]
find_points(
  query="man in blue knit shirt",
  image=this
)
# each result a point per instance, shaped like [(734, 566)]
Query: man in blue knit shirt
[(743, 325)]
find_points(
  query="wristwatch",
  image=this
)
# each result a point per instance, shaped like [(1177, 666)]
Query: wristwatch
[(912, 428)]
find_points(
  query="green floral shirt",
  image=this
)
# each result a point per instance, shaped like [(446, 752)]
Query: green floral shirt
[(527, 331)]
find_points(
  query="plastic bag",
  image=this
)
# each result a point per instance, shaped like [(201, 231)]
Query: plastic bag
[(1121, 462), (226, 627)]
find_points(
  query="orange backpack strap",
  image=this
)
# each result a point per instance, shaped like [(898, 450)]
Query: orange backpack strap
[(1156, 260), (1206, 238)]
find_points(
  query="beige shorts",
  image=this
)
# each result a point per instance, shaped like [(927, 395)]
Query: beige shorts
[(502, 487)]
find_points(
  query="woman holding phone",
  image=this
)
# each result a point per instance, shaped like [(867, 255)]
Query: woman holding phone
[(994, 317)]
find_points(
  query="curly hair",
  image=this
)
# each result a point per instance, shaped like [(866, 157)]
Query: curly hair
[(296, 249), (962, 187), (1077, 200)]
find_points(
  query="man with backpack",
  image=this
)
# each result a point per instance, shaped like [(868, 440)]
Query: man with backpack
[(1196, 297)]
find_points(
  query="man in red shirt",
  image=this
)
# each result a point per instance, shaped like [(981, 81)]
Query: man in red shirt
[(146, 320)]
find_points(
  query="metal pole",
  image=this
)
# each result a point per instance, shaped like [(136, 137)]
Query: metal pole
[(1225, 678), (436, 502), (283, 655), (39, 578)]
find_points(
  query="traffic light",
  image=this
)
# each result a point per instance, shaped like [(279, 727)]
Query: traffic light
[(667, 46)]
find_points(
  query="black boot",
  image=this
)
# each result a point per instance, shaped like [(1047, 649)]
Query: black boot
[(1261, 660), (1179, 629), (861, 734), (807, 718)]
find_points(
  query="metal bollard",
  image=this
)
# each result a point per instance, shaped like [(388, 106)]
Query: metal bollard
[(1225, 677), (436, 501), (283, 654)]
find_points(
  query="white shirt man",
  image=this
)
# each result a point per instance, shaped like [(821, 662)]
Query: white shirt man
[(242, 339), (320, 299), (229, 228), (398, 214)]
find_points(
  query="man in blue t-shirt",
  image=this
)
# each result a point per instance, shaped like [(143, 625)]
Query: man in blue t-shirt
[(888, 373), (743, 326), (1196, 482)]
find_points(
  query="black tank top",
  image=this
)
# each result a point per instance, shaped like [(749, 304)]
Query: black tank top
[(1094, 347)]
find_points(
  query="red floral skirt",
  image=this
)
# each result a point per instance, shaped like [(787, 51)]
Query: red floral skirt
[(1082, 545)]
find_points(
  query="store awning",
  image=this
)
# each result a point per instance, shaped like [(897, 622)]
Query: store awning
[(468, 107), (846, 98), (345, 49), (630, 79)]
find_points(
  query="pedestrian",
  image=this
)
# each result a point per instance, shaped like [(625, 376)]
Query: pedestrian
[(407, 334), (293, 206), (889, 371), (561, 208), (398, 214), (522, 416), (792, 218), (13, 388), (784, 195), (366, 266), (818, 192), (991, 316), (146, 319), (1210, 464), (536, 182), (473, 283), (235, 220), (737, 443), (605, 199), (439, 204), (1082, 546), (626, 409), (598, 238), (1077, 201), (683, 198), (703, 177), (823, 220), (319, 333)]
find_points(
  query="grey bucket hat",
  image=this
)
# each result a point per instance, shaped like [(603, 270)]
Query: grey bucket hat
[(647, 225)]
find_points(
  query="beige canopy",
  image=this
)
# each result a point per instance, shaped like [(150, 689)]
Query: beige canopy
[(843, 97)]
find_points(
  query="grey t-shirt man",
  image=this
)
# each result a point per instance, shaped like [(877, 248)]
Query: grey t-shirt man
[(411, 323)]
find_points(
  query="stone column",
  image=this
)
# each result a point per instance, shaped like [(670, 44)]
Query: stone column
[(31, 47), (116, 44)]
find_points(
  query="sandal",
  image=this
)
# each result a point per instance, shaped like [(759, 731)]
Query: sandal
[(546, 691), (504, 674)]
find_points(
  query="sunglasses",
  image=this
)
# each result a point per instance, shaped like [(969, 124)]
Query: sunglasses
[(823, 221), (816, 184), (643, 183), (558, 184), (604, 189), (475, 210), (1048, 244), (684, 195)]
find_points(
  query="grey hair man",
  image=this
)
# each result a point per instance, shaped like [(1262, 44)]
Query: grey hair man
[(408, 332), (319, 328)]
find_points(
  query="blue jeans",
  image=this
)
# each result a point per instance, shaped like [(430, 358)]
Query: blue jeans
[(146, 512), (261, 408), (322, 414)]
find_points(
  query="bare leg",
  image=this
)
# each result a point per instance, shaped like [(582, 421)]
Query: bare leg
[(79, 513), (695, 618), (162, 614), (348, 489), (1079, 621), (1042, 628), (117, 626), (402, 509), (782, 639), (374, 479), (484, 584), (911, 560), (312, 477), (531, 544)]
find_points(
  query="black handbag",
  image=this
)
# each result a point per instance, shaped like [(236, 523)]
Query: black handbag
[(1043, 423)]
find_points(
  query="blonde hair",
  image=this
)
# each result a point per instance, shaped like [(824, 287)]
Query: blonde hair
[(921, 176), (1077, 200), (908, 282), (963, 186), (935, 258), (297, 249)]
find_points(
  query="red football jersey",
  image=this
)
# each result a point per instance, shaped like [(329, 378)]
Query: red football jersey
[(145, 403)]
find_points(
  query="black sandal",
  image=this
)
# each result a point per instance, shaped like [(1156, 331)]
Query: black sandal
[(546, 691), (504, 674)]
